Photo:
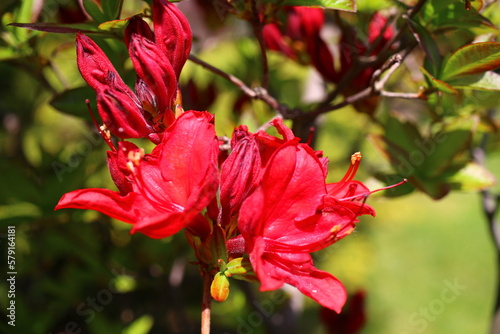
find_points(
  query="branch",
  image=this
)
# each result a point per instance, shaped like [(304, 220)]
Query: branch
[(376, 85), (257, 30), (259, 93)]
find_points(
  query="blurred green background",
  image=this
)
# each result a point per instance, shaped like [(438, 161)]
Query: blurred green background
[(81, 272)]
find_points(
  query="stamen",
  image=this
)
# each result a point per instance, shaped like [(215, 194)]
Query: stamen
[(351, 172), (365, 195), (103, 130), (135, 156)]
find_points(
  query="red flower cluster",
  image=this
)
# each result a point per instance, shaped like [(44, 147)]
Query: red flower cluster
[(300, 40), (268, 198)]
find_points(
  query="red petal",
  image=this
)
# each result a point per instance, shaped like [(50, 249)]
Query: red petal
[(299, 271), (162, 225), (188, 160), (291, 191), (117, 161), (125, 208), (172, 32)]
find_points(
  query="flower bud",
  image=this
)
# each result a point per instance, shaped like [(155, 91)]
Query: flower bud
[(220, 287)]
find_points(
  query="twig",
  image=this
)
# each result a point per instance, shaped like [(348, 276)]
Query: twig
[(376, 85), (257, 30), (255, 93), (247, 90)]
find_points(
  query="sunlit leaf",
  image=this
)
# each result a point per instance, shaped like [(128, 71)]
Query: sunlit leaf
[(483, 81), (438, 84), (349, 5), (472, 59), (114, 25), (473, 177)]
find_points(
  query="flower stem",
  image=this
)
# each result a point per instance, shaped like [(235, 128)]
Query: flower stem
[(206, 304)]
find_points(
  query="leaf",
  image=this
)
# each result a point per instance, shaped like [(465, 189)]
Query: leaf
[(348, 5), (428, 43), (112, 8), (441, 150), (114, 25), (95, 11), (473, 177), (457, 16), (453, 14), (72, 101), (484, 81), (58, 28), (438, 84), (472, 59)]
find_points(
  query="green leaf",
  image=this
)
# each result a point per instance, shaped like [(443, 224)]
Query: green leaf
[(438, 84), (453, 13), (115, 25), (428, 43), (484, 81), (472, 59), (112, 8), (58, 28), (95, 11), (457, 16), (348, 5), (473, 177), (442, 149), (72, 101)]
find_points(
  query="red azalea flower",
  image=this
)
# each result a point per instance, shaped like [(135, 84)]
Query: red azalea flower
[(157, 58), (242, 171), (291, 214), (302, 39), (162, 192)]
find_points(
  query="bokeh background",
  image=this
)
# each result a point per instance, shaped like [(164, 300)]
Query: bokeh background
[(420, 266)]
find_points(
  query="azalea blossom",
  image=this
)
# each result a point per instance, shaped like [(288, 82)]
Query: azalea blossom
[(292, 213), (158, 57), (162, 192)]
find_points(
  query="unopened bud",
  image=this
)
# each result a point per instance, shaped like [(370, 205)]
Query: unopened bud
[(220, 287)]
